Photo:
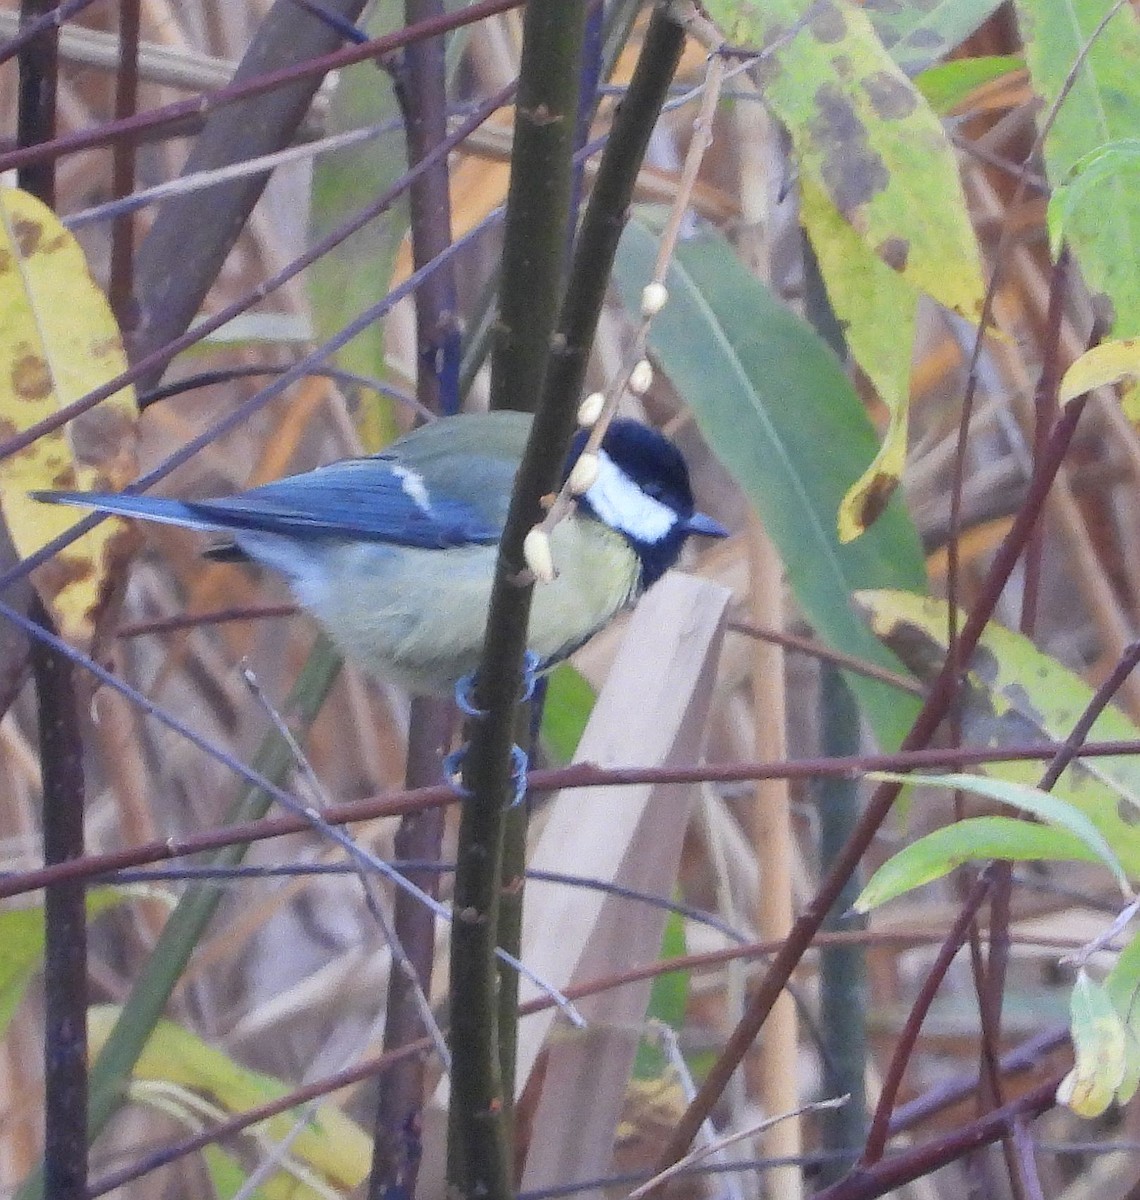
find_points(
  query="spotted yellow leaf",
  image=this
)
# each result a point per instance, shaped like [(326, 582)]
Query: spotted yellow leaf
[(58, 341), (877, 308)]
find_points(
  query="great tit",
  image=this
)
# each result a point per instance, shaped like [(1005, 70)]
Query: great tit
[(395, 554)]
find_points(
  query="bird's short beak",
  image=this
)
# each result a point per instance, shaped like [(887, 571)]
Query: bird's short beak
[(706, 526)]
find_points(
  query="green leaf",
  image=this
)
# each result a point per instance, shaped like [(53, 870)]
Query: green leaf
[(569, 702), (1099, 1043), (1102, 108), (226, 1174), (1098, 168), (1110, 362), (668, 1000), (1032, 800), (776, 407), (22, 945), (1123, 987), (256, 329), (58, 341), (877, 308), (330, 1143), (865, 135), (918, 34), (976, 839), (1016, 694), (951, 84)]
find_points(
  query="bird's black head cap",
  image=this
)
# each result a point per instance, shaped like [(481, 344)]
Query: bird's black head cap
[(657, 512)]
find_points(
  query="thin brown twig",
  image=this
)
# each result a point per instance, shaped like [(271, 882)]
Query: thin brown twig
[(578, 775), (825, 653), (121, 286), (904, 1045), (947, 1093), (86, 139), (937, 705)]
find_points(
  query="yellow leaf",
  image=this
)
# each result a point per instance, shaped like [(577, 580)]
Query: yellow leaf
[(331, 1143), (1100, 1046), (58, 341), (1110, 362), (876, 307), (864, 134)]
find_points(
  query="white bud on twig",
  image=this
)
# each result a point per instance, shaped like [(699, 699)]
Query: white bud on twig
[(653, 299), (640, 378), (583, 474), (538, 555), (591, 409)]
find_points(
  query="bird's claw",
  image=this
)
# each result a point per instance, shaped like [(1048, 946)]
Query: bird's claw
[(453, 772), (531, 663), (465, 697), (519, 766), (465, 687)]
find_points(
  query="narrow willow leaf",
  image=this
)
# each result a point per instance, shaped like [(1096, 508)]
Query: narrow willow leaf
[(1102, 107), (1014, 693), (775, 405), (22, 946), (357, 273), (1032, 800), (330, 1143), (976, 839), (877, 308), (950, 85), (1123, 987), (918, 34), (1110, 362), (1091, 172), (569, 702)]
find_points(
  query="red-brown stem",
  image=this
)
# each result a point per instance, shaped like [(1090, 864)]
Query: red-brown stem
[(904, 1046), (121, 284), (85, 139), (937, 706)]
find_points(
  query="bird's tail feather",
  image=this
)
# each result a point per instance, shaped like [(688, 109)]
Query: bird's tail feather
[(149, 508)]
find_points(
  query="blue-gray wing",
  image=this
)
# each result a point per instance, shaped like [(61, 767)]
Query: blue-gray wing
[(377, 499)]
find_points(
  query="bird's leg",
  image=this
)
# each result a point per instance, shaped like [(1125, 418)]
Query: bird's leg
[(464, 699)]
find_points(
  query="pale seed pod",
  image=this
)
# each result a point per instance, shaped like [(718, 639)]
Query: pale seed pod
[(653, 299), (539, 556), (640, 378), (590, 410), (583, 474)]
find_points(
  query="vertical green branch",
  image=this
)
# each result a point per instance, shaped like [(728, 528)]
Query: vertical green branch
[(538, 200), (842, 969), (538, 205), (532, 357)]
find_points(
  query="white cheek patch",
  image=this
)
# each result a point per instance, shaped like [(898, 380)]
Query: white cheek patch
[(412, 483), (620, 503)]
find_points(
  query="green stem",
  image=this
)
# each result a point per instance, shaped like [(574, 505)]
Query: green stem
[(538, 205), (842, 1005), (530, 361), (607, 210), (538, 200)]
